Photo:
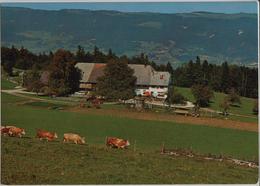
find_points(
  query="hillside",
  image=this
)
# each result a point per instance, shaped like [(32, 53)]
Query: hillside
[(28, 160), (175, 38), (40, 162)]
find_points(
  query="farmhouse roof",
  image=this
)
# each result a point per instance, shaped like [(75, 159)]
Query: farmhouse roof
[(86, 69), (160, 78), (145, 74), (142, 73), (97, 71)]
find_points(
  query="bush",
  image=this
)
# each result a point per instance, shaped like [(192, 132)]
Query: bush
[(255, 108), (233, 97), (202, 94), (225, 104), (178, 98)]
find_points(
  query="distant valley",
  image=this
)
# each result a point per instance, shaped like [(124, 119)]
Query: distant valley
[(174, 38)]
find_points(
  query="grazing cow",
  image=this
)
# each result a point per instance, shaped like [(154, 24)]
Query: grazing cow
[(42, 134), (15, 131), (77, 139), (5, 129), (117, 143)]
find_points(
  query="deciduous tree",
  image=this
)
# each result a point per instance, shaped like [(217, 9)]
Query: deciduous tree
[(118, 81), (64, 76), (202, 94)]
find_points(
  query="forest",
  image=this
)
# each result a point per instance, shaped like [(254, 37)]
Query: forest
[(220, 78)]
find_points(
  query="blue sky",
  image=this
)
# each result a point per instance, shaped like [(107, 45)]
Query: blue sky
[(162, 7)]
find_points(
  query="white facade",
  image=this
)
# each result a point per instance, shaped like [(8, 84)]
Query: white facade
[(152, 91)]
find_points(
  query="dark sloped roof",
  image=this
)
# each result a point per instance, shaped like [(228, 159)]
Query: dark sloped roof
[(142, 73), (97, 71), (86, 69), (145, 74)]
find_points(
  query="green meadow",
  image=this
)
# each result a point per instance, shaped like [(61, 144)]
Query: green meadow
[(149, 135), (245, 108), (5, 84), (31, 161)]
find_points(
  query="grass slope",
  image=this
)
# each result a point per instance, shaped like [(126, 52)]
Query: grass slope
[(31, 161), (5, 84), (149, 135), (245, 108)]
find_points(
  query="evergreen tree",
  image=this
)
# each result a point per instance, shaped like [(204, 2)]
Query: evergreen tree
[(197, 75), (169, 68), (225, 79), (80, 54), (205, 70), (8, 59), (98, 56)]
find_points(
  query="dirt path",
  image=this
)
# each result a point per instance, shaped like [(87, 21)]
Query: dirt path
[(167, 117), (18, 93)]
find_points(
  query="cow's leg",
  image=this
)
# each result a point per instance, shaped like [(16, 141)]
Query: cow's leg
[(64, 140)]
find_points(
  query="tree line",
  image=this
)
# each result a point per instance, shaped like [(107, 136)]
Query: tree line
[(24, 59), (221, 78)]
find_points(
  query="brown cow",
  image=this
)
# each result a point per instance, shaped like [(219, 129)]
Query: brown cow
[(117, 142), (77, 139), (5, 129), (43, 134), (15, 131)]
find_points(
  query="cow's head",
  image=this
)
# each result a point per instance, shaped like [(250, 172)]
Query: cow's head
[(23, 132), (127, 143), (83, 140), (55, 135)]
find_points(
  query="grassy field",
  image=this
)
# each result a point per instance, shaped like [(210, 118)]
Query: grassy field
[(5, 84), (245, 108), (149, 135), (31, 161)]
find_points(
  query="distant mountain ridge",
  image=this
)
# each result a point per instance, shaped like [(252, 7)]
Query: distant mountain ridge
[(174, 38)]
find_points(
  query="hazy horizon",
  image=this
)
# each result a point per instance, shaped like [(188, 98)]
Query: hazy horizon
[(155, 7)]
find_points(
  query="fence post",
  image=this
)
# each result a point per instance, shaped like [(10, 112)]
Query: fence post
[(135, 146), (163, 148)]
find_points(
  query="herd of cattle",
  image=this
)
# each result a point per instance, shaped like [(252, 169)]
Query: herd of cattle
[(13, 131)]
